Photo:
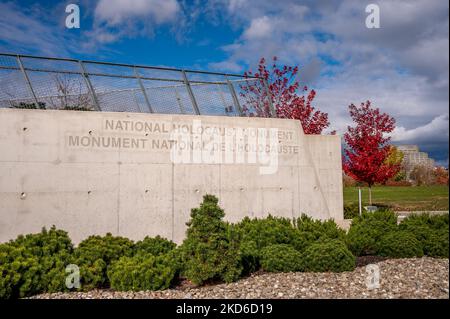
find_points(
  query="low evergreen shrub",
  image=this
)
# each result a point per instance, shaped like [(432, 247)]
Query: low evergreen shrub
[(211, 249), (34, 263), (399, 244), (327, 255), (94, 254), (154, 245), (256, 234), (432, 231), (351, 210), (142, 272), (366, 231), (315, 230), (280, 258)]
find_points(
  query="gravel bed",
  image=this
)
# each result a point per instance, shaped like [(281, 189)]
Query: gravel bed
[(399, 278)]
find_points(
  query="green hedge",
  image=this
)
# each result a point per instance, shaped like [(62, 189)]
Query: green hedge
[(94, 254), (214, 250), (256, 234), (154, 245), (432, 231), (366, 231), (327, 255), (351, 210), (399, 244), (142, 272), (34, 263), (280, 258), (314, 230)]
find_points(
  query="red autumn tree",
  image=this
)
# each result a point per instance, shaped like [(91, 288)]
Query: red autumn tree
[(367, 151), (441, 176), (284, 93)]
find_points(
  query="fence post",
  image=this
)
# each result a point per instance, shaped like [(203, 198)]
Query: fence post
[(180, 103), (27, 79), (269, 97), (191, 94), (237, 105), (89, 85), (147, 101)]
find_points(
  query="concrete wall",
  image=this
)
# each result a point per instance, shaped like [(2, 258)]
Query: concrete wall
[(56, 168)]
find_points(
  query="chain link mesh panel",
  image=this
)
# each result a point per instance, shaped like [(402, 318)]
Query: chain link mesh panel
[(70, 84)]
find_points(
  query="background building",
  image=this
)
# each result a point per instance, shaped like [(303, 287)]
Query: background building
[(412, 157)]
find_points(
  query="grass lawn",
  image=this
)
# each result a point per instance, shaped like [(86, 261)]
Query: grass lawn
[(401, 198)]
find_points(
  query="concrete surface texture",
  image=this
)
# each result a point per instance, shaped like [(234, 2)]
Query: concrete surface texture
[(136, 174)]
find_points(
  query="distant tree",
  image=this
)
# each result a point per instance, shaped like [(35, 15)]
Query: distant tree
[(71, 94), (441, 176), (367, 154), (422, 175), (286, 99), (396, 158)]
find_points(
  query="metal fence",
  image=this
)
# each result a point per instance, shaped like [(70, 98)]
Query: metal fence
[(55, 83)]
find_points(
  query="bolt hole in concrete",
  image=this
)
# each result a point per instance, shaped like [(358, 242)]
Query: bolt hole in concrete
[(146, 191), (90, 132), (23, 195), (24, 129), (89, 192)]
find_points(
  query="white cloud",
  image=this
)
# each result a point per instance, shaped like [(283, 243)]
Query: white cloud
[(114, 12), (259, 28), (434, 131), (117, 19)]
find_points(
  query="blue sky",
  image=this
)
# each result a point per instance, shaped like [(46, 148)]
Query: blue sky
[(402, 67)]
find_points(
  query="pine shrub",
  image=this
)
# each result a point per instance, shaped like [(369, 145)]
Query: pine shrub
[(210, 250), (142, 272), (399, 244), (367, 230), (327, 255), (280, 258)]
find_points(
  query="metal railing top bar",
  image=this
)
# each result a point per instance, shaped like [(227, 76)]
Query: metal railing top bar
[(126, 65), (121, 76)]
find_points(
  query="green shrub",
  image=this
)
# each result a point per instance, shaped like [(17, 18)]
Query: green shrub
[(154, 245), (94, 254), (280, 258), (270, 231), (45, 243), (250, 256), (435, 222), (437, 245), (23, 105), (76, 108), (327, 255), (314, 230), (351, 210), (431, 231), (34, 263), (142, 272), (256, 234), (211, 249), (20, 272), (366, 231), (399, 244)]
